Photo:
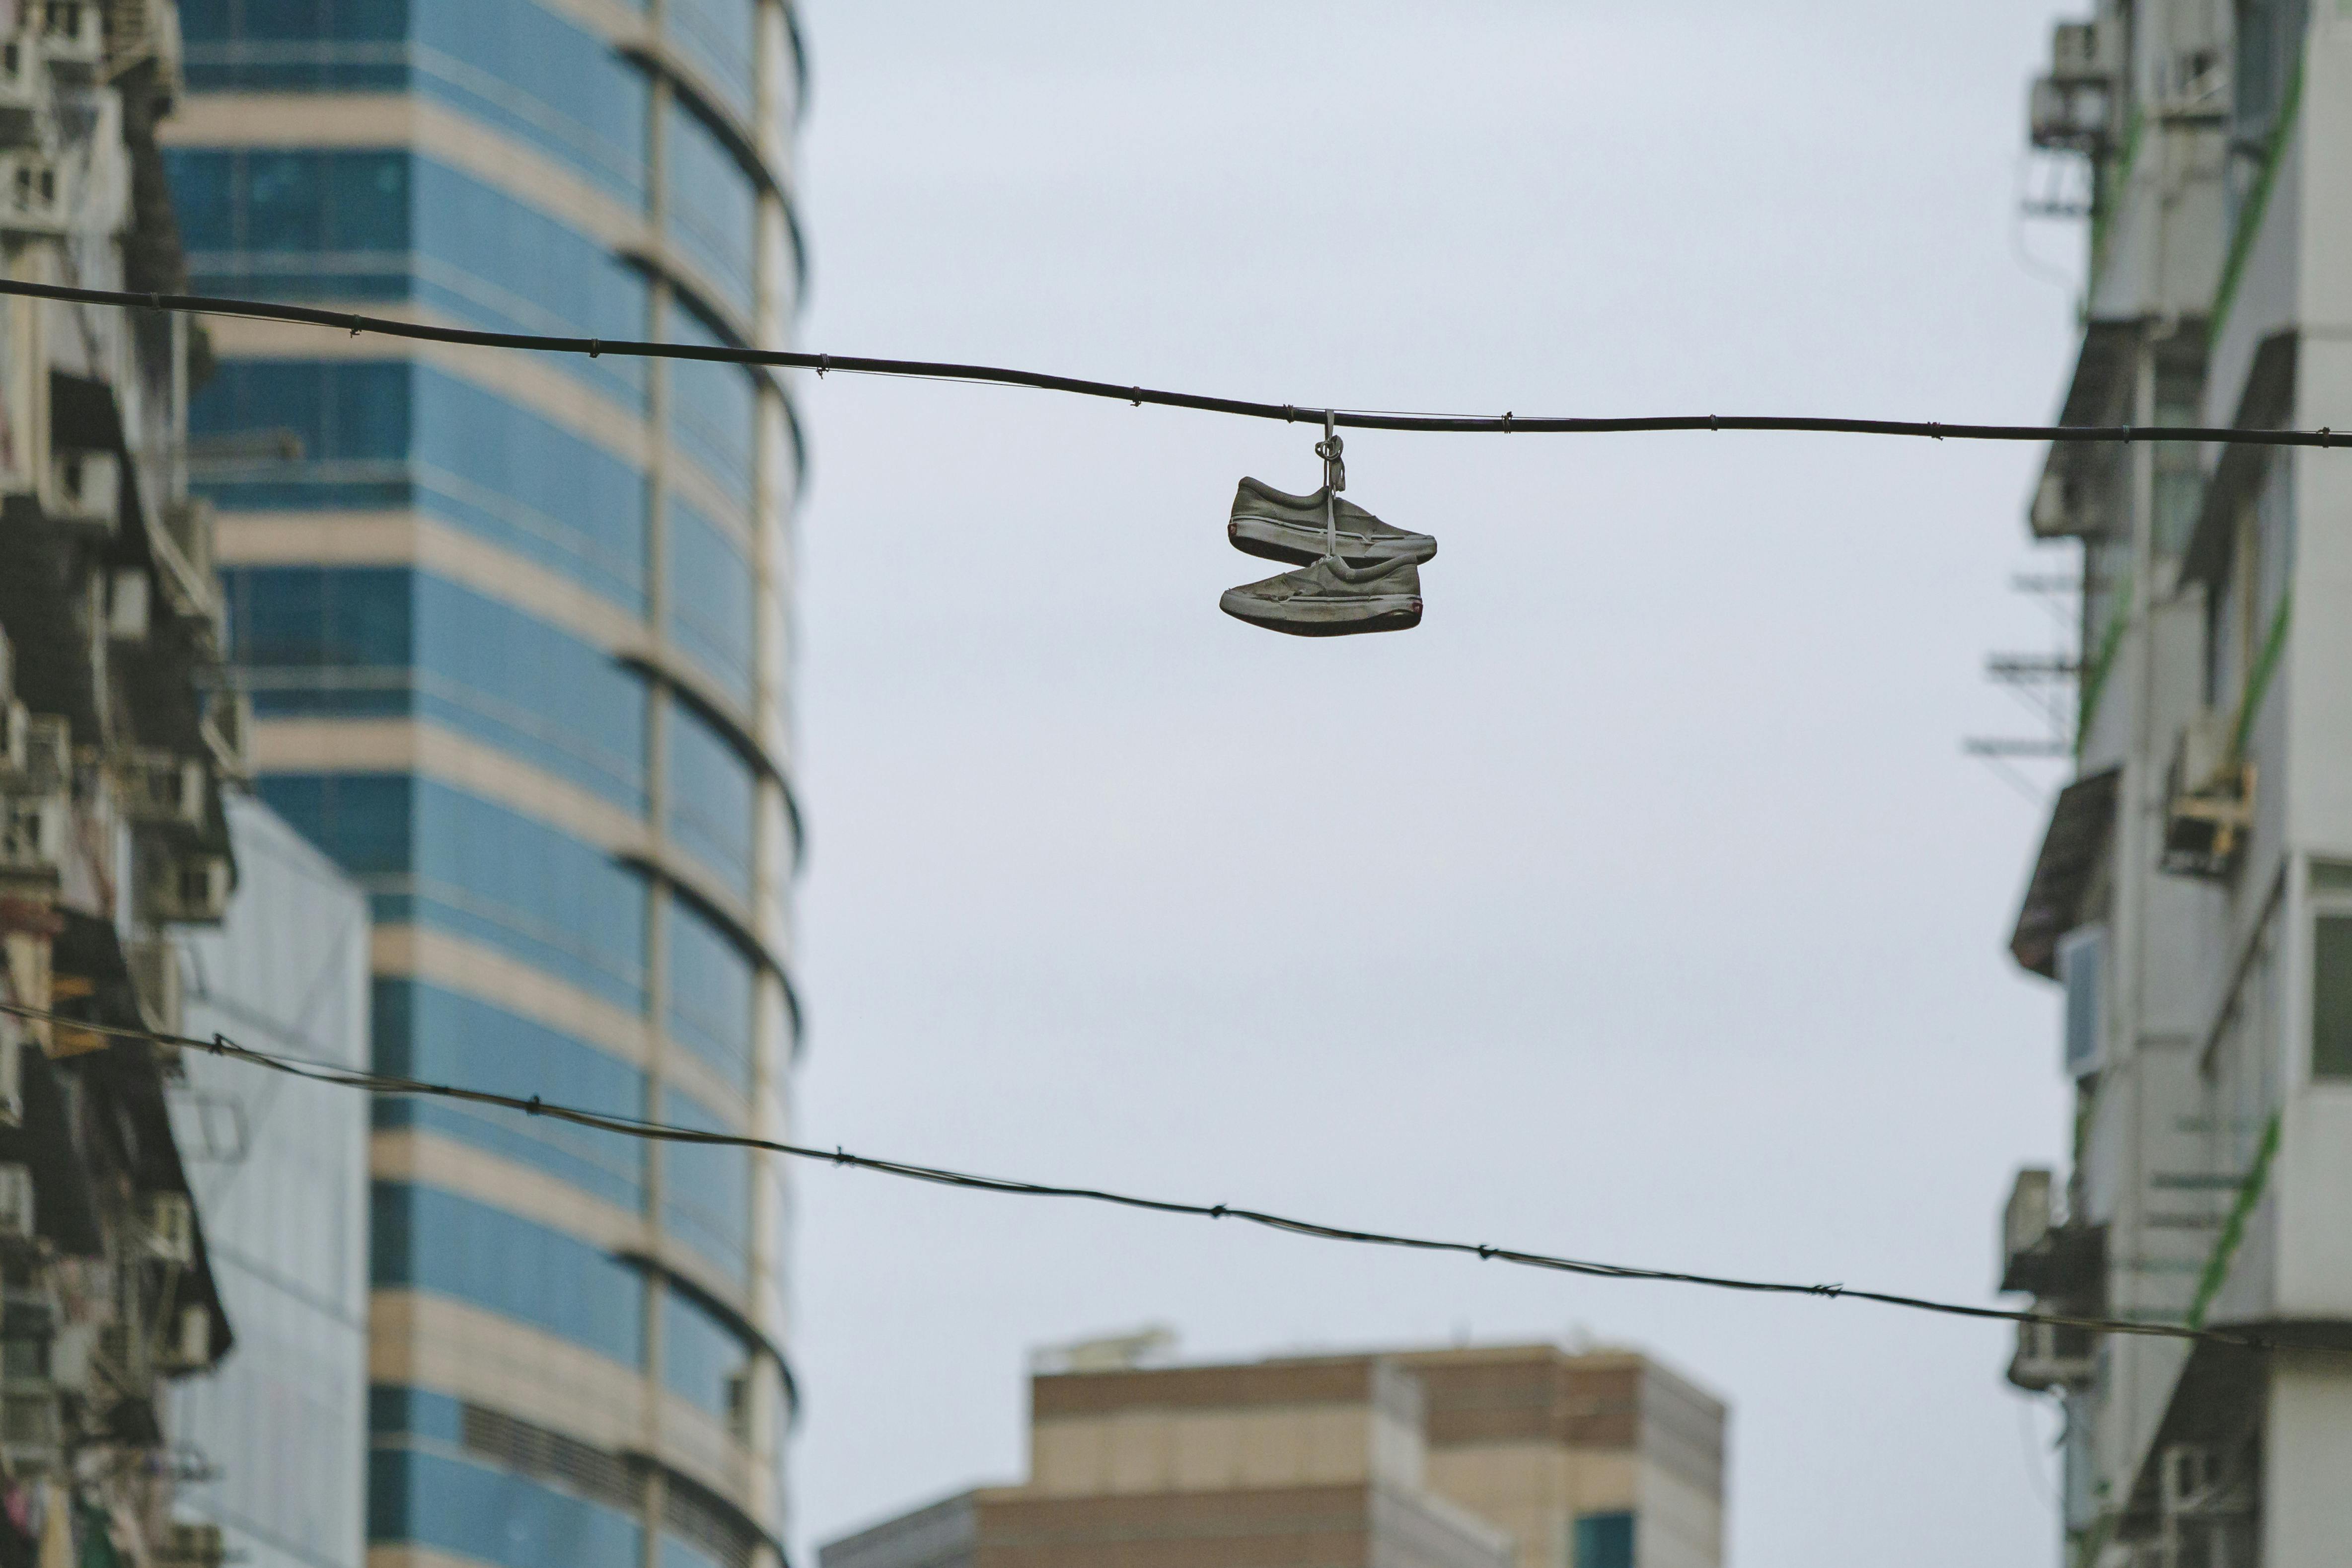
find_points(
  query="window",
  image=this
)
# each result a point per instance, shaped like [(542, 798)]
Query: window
[(712, 985), (719, 36), (2267, 59), (493, 261), (704, 1360), (712, 597), (1604, 1541), (512, 678), (514, 65), (712, 790), (364, 820), (2331, 996), (677, 1552), (707, 1188), (522, 68), (312, 618), (703, 1530), (386, 225), (2180, 480), (346, 416), (713, 206), (2082, 966), (384, 641), (396, 1410), (425, 1032), (496, 468), (427, 1239), (375, 434), (432, 855), (713, 408), (267, 203), (472, 1511)]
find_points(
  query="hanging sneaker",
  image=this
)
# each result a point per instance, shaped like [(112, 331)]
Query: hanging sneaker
[(1331, 599), (1266, 523)]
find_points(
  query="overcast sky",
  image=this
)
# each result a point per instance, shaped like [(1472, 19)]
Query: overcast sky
[(1640, 905)]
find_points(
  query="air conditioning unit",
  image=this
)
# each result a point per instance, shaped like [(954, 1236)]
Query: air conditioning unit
[(32, 1432), (169, 1222), (121, 1354), (190, 1346), (34, 198), (2052, 1355), (70, 1356), (2083, 52), (21, 95), (73, 39), (15, 743), (28, 1313), (186, 1545), (12, 1074), (130, 600), (2070, 116), (33, 837), (24, 1360), (2024, 1223), (185, 888), (85, 488), (48, 757), (161, 790), (183, 558), (154, 965), (229, 732), (2208, 806), (17, 1231)]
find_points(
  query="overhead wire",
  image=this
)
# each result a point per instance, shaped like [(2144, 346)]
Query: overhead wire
[(1508, 424), (635, 1126)]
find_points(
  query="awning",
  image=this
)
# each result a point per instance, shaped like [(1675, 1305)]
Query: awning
[(2079, 824), (2265, 405), (2063, 505), (127, 1129)]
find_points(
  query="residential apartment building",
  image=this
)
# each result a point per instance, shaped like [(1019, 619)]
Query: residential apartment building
[(1510, 1457), (2193, 889), (516, 636), (116, 745)]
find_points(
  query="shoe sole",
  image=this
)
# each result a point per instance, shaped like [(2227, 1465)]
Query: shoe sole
[(1301, 545), (1384, 613)]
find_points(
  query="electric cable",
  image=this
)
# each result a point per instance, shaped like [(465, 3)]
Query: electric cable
[(1508, 424), (659, 1132)]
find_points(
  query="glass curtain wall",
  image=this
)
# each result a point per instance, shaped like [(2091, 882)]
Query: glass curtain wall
[(516, 633)]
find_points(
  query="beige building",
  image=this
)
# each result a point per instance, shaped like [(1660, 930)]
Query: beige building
[(1506, 1457)]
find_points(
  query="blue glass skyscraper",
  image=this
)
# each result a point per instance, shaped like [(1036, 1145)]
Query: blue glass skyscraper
[(517, 634)]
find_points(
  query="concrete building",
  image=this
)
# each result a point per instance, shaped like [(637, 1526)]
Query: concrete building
[(1515, 1457), (2193, 891), (515, 631), (115, 744), (276, 1434)]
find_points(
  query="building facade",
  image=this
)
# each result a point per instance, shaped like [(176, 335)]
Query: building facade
[(1510, 1457), (516, 636), (116, 741), (2191, 893), (276, 1434)]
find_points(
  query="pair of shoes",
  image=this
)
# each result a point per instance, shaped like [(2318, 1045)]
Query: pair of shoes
[(1360, 574)]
